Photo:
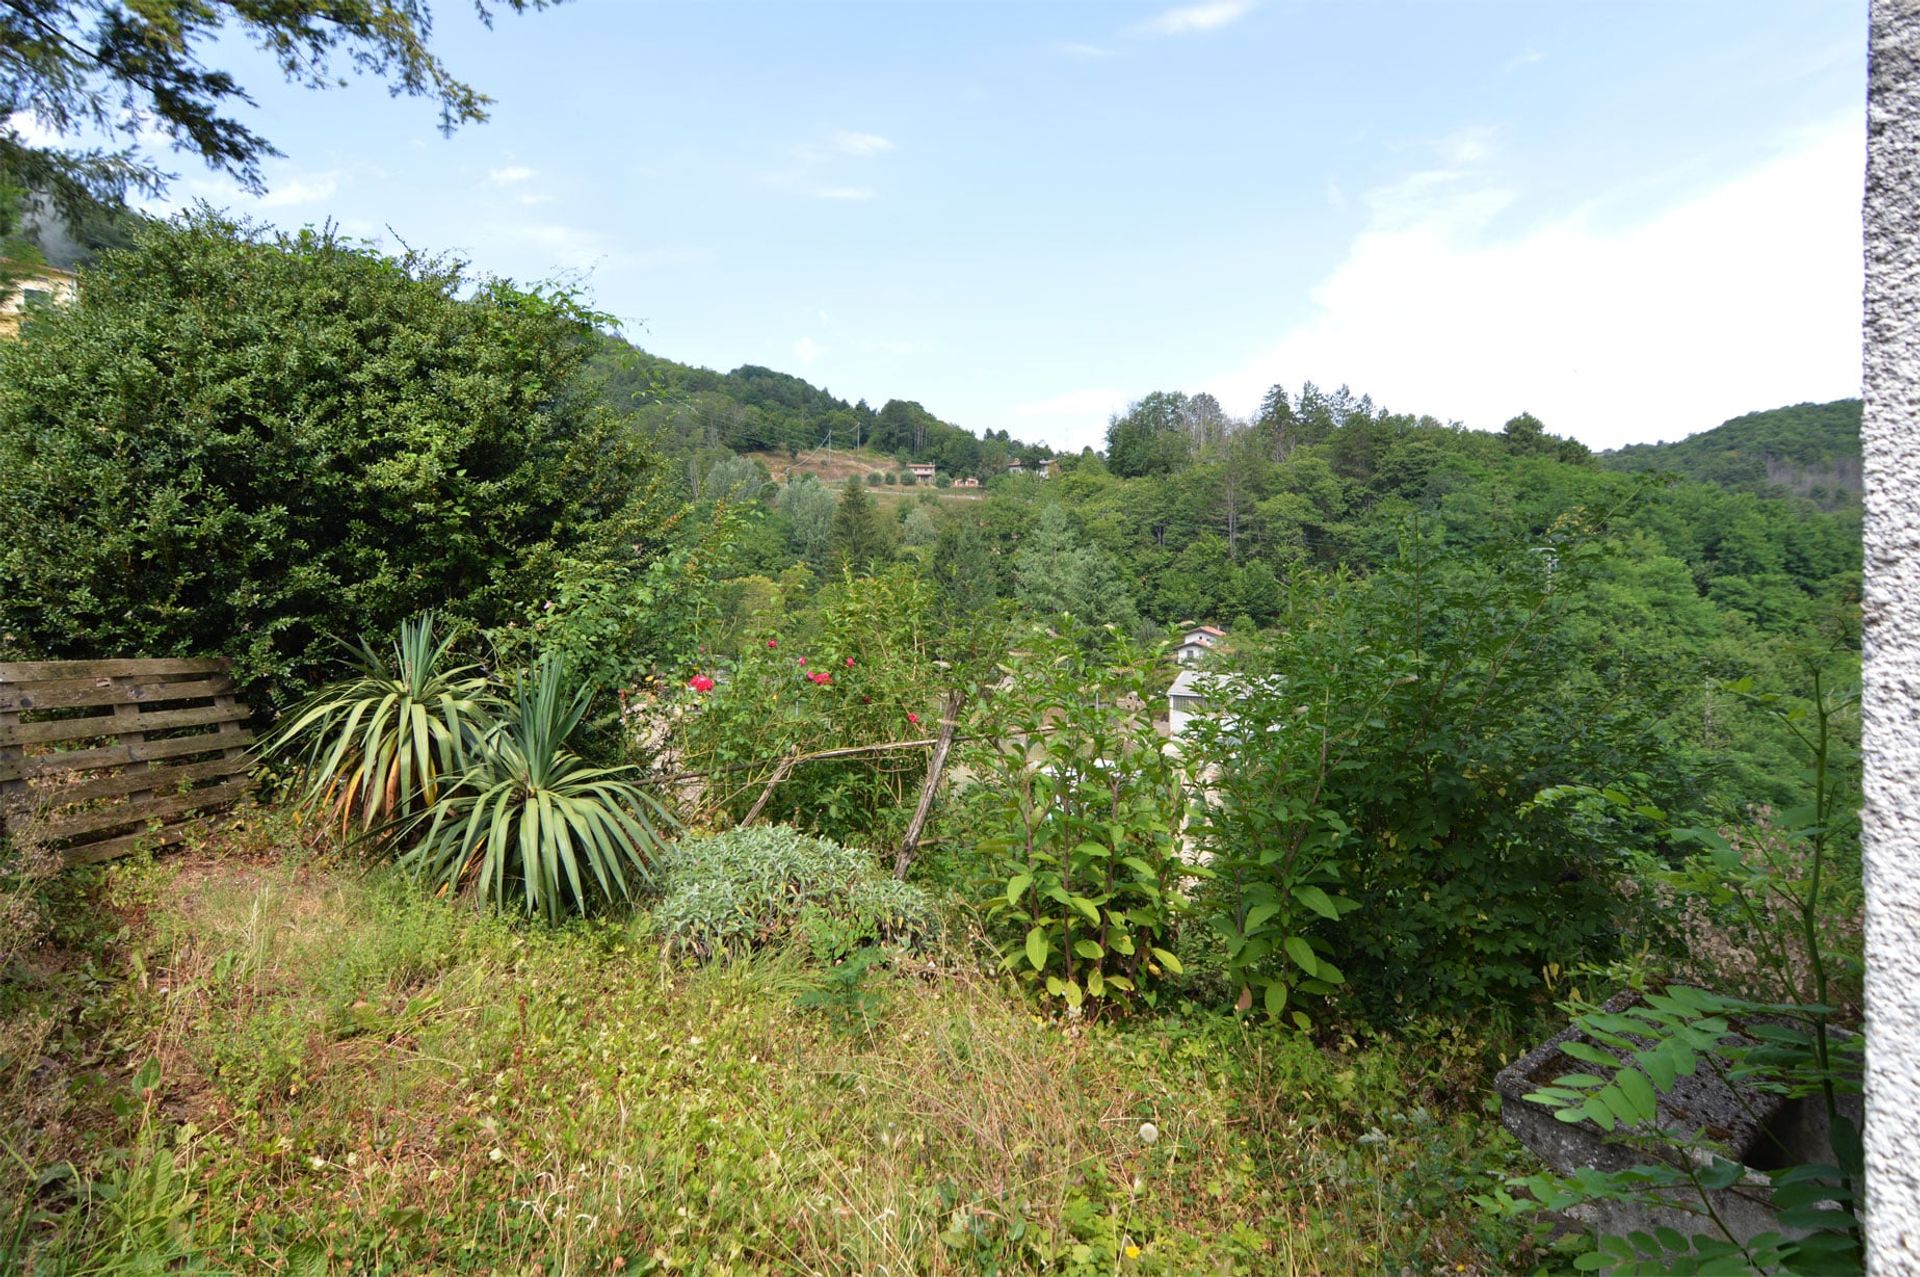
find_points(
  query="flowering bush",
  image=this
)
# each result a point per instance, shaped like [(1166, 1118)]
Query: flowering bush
[(772, 703)]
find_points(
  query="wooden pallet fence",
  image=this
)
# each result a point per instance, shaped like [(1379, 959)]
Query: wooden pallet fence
[(94, 753)]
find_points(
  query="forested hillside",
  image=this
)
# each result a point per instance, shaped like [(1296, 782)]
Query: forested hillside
[(1810, 449), (754, 409), (1701, 574)]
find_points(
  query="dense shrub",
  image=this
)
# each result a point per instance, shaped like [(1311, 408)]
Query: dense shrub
[(1370, 773), (761, 885), (245, 444)]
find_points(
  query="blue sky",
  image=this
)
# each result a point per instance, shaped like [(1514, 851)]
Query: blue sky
[(1633, 220)]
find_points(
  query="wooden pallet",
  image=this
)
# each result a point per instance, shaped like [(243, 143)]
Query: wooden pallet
[(99, 758)]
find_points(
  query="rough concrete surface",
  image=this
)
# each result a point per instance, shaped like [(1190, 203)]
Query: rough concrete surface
[(1891, 700)]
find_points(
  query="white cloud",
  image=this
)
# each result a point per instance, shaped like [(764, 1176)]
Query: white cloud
[(1074, 419), (1470, 145), (1188, 18), (1525, 58), (1744, 296), (806, 350), (1084, 52), (814, 163), (510, 175), (295, 190), (848, 143)]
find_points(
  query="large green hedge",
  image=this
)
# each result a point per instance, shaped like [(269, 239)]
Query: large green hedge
[(247, 443)]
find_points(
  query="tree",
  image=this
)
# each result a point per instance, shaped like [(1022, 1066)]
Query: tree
[(809, 508), (918, 527), (1058, 572), (964, 569), (85, 68), (859, 537), (247, 444), (1150, 437)]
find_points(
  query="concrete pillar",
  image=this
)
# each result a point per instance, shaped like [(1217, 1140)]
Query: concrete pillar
[(1891, 691)]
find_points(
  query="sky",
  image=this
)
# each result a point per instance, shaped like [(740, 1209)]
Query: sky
[(1633, 220)]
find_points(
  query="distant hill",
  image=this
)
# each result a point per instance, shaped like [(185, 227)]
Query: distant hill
[(758, 410), (1809, 449)]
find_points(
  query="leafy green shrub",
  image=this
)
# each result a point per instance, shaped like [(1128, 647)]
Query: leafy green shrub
[(1379, 750), (383, 745), (241, 443), (766, 884), (529, 810), (1079, 819)]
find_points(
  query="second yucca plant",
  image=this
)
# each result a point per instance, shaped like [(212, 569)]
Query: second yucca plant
[(534, 823)]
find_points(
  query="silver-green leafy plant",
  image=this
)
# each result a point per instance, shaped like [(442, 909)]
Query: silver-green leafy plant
[(533, 822), (383, 746)]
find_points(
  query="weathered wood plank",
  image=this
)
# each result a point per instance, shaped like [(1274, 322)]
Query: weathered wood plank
[(21, 766), (81, 693), (113, 724), (92, 853), (44, 671), (11, 784), (139, 811), (164, 780), (127, 718)]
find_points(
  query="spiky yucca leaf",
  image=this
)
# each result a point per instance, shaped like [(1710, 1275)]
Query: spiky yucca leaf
[(381, 747), (534, 820)]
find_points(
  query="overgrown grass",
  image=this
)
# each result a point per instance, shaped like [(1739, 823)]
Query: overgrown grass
[(351, 1077)]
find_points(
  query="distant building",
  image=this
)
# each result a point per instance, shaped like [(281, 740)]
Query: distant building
[(1185, 701), (1196, 641), (966, 481), (1044, 468), (1014, 467), (923, 471), (35, 285)]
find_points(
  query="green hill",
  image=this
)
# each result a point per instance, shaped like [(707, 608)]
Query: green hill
[(756, 410), (1809, 449)]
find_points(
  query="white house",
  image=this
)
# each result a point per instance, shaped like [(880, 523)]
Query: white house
[(1196, 641), (923, 470)]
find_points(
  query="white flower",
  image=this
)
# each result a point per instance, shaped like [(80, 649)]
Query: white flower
[(1149, 1133), (498, 1155)]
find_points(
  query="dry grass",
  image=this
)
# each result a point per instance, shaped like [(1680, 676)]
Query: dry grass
[(370, 1081)]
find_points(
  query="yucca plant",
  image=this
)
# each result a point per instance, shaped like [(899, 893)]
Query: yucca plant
[(532, 820), (382, 747)]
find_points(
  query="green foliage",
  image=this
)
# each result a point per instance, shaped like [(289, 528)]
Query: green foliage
[(242, 444), (379, 748), (860, 541), (1377, 750), (1056, 572), (765, 885), (1789, 1047), (531, 820), (1079, 820)]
